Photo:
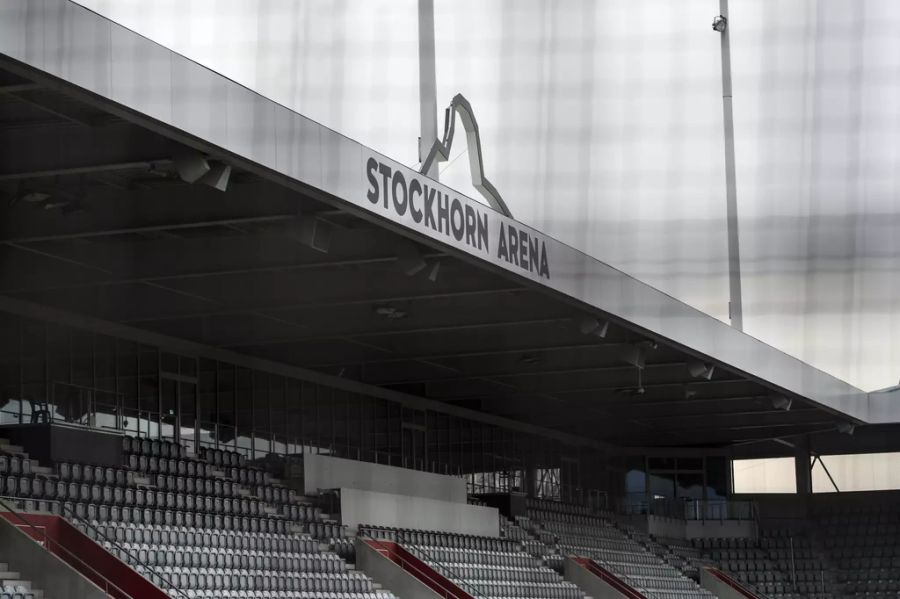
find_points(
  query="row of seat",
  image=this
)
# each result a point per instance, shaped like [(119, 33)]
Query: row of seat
[(485, 566), (221, 540), (577, 531), (438, 538), (127, 532)]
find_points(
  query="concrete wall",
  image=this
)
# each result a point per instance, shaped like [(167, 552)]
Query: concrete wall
[(591, 585), (45, 571), (405, 511), (49, 443), (693, 529), (389, 575), (724, 529), (717, 587), (325, 472)]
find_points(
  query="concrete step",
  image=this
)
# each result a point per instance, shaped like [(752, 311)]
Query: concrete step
[(7, 447), (36, 468), (12, 579)]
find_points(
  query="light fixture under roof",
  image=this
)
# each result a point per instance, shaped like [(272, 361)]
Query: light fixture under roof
[(35, 197), (701, 370), (390, 312), (434, 271), (636, 353), (315, 233), (781, 402), (191, 165), (409, 259), (592, 326), (217, 177), (846, 427), (720, 23)]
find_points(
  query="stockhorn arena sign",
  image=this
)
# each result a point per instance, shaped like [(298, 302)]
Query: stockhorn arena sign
[(432, 206)]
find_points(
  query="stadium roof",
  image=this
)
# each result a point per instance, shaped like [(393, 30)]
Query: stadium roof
[(324, 258)]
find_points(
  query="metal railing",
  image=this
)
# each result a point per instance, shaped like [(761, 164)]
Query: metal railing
[(39, 534), (631, 581), (149, 572), (692, 509), (449, 574), (608, 574), (746, 589)]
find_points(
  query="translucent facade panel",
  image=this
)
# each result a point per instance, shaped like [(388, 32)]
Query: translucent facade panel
[(767, 475), (856, 472)]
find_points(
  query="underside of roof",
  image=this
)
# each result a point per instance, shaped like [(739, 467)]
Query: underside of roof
[(296, 264)]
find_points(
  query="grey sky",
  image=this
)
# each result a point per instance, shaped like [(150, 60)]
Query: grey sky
[(602, 126)]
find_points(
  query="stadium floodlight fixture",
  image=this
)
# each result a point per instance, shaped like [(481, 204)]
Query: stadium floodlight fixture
[(217, 177), (701, 370), (781, 402), (846, 427), (434, 271), (191, 165), (390, 312), (592, 326), (636, 353), (409, 259), (315, 233), (35, 197), (720, 23)]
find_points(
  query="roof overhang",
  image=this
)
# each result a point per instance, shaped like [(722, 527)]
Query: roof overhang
[(161, 95)]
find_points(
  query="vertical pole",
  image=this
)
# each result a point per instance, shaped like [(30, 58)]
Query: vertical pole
[(427, 85), (735, 304)]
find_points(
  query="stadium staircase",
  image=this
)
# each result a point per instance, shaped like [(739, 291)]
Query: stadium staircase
[(12, 586), (195, 526), (469, 566), (570, 530), (863, 544), (785, 563)]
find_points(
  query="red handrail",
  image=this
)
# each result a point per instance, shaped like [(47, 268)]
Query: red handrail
[(609, 578), (419, 569), (737, 586)]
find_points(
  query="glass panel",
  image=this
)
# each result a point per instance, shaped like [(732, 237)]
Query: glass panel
[(206, 404), (148, 414), (225, 429), (857, 472), (262, 434), (716, 478), (9, 370), (661, 463), (244, 411), (187, 405), (169, 403), (34, 373), (278, 414), (690, 485), (662, 486), (127, 377), (768, 475)]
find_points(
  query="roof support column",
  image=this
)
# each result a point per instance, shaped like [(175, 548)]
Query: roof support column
[(427, 85), (802, 468)]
